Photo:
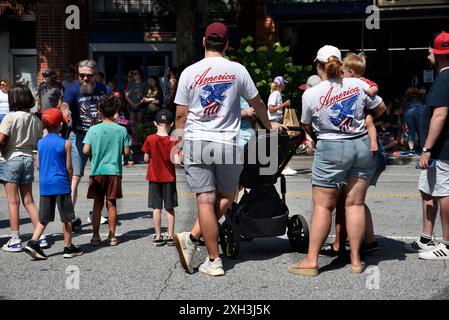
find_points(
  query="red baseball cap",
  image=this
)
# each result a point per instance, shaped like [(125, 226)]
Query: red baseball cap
[(52, 117), (218, 29), (440, 44)]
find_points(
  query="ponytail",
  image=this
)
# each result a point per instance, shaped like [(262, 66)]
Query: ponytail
[(332, 67)]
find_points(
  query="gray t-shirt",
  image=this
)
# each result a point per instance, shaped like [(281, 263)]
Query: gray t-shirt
[(336, 109), (212, 88)]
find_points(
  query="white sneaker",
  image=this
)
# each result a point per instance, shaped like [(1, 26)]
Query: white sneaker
[(418, 247), (103, 220), (289, 171), (440, 252), (13, 245), (212, 268), (186, 250)]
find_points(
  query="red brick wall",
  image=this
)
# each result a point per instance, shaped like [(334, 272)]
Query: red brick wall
[(57, 47), (265, 27)]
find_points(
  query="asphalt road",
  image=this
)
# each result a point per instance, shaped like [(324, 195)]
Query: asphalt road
[(135, 269)]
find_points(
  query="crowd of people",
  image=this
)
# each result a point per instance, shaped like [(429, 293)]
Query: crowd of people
[(203, 127)]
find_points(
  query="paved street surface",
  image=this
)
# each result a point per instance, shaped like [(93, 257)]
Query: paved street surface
[(135, 269)]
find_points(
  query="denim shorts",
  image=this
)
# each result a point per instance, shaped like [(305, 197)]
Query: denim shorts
[(79, 159), (18, 170), (337, 160)]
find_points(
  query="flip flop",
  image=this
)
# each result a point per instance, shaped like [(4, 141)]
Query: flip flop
[(296, 269), (358, 269)]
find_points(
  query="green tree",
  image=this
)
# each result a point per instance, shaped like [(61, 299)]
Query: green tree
[(264, 64)]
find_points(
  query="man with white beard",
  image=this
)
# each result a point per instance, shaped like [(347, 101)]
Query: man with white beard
[(80, 106)]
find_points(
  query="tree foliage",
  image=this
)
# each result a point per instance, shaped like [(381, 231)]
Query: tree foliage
[(264, 64)]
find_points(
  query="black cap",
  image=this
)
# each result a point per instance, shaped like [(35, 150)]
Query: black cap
[(70, 70), (48, 73), (164, 116)]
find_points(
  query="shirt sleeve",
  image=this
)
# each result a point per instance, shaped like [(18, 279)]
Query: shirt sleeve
[(369, 82), (249, 88), (146, 146), (69, 96), (438, 96), (182, 93), (272, 100), (372, 102), (306, 117), (127, 139), (6, 125)]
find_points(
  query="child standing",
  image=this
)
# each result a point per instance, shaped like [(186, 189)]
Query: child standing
[(54, 163), (158, 149), (19, 133), (106, 143)]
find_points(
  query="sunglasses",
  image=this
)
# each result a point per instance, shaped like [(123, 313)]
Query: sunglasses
[(2, 85), (86, 75)]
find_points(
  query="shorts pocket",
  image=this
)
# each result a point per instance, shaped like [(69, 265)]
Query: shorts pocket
[(332, 151)]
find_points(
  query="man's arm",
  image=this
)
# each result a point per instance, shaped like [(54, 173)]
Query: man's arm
[(68, 159), (182, 112), (435, 128)]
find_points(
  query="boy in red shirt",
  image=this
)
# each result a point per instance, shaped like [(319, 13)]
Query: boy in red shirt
[(161, 152)]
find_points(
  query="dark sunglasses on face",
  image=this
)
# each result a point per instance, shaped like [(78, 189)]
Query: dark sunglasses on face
[(86, 75)]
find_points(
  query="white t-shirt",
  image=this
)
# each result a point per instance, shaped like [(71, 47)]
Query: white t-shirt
[(274, 100), (4, 105), (336, 109), (23, 130), (212, 88)]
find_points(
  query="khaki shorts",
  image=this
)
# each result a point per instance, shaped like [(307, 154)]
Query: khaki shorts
[(435, 181)]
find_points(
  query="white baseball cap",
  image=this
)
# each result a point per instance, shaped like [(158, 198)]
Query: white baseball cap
[(311, 82), (326, 52)]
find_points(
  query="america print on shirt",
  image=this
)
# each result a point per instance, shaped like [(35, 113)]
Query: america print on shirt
[(212, 98)]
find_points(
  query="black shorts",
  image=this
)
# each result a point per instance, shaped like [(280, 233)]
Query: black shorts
[(162, 192), (47, 208)]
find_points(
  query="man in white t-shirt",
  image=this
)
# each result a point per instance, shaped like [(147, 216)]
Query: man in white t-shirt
[(208, 109)]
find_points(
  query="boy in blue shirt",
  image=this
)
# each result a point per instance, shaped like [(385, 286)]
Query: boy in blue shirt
[(54, 163), (105, 143)]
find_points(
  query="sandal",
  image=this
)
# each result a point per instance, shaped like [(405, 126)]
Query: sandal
[(296, 269), (113, 241), (358, 269), (95, 241)]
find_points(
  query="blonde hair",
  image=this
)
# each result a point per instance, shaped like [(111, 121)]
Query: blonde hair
[(355, 62), (274, 87), (332, 67)]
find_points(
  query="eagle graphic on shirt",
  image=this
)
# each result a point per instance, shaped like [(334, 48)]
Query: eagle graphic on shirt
[(213, 97), (345, 117)]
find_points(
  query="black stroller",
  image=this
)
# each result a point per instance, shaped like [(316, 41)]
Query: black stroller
[(261, 212)]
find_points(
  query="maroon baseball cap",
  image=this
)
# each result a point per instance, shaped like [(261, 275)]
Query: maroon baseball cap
[(440, 44), (219, 30)]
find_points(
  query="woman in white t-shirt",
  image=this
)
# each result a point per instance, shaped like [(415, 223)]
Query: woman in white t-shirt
[(334, 113), (275, 104), (4, 105)]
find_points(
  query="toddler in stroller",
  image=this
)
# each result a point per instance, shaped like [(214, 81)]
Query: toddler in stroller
[(261, 212)]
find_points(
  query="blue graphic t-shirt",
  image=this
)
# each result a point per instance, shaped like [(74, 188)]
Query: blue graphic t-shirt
[(336, 109), (83, 106), (212, 88)]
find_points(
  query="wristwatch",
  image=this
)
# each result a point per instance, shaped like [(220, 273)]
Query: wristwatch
[(425, 149)]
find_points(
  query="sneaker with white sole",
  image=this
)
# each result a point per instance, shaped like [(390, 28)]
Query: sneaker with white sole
[(186, 249), (13, 245), (212, 268), (439, 253), (43, 243), (34, 250), (103, 220), (418, 247), (72, 251)]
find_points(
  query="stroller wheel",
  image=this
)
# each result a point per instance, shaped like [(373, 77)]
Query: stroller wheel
[(298, 233), (229, 239)]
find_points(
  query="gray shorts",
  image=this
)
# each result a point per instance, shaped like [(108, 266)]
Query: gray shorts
[(435, 181), (162, 194), (212, 167), (337, 160), (79, 159), (47, 207), (18, 170)]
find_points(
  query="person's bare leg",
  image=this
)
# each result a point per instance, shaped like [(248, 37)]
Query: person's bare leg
[(96, 215), (67, 231), (369, 228), (157, 222), (170, 222), (208, 222), (444, 213), (340, 223), (12, 194), (75, 183), (355, 216), (430, 209), (26, 192), (112, 217), (38, 231), (324, 202)]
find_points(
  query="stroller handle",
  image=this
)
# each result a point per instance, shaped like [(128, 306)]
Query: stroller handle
[(295, 128)]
